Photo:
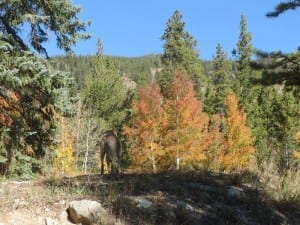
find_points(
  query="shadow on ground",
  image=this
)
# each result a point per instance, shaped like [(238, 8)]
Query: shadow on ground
[(185, 198)]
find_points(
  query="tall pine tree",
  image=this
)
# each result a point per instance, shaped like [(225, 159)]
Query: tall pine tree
[(219, 83), (105, 94), (180, 53), (243, 53)]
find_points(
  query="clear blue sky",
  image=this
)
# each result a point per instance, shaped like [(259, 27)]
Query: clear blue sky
[(134, 27)]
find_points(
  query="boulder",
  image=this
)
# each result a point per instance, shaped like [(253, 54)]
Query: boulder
[(235, 192), (86, 212), (50, 221)]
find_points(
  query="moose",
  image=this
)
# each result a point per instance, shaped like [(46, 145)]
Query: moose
[(111, 149)]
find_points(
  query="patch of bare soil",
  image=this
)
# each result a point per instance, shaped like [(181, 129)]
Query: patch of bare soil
[(32, 202)]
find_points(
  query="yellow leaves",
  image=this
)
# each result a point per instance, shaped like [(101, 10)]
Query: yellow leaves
[(64, 161), (297, 136)]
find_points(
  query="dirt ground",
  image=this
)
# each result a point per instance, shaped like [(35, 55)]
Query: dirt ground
[(168, 198), (31, 202)]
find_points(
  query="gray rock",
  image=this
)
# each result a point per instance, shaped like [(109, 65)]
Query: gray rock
[(144, 203), (86, 212), (50, 221), (185, 205), (235, 192)]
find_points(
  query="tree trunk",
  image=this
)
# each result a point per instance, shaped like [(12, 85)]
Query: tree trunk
[(84, 166)]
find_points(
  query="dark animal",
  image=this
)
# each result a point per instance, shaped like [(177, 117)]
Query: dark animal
[(111, 149)]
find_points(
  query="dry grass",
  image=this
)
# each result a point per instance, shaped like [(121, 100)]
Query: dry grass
[(176, 198)]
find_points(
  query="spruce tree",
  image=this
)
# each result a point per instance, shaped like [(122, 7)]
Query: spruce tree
[(283, 7), (31, 94), (243, 53), (277, 67), (41, 17), (219, 83), (105, 94), (180, 53), (31, 91)]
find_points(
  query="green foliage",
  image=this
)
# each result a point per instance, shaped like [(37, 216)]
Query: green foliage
[(141, 70), (244, 73), (219, 83), (179, 53), (30, 95), (278, 68), (105, 94), (41, 16), (284, 6), (23, 166)]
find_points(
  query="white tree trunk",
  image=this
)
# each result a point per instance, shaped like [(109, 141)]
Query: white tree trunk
[(84, 166)]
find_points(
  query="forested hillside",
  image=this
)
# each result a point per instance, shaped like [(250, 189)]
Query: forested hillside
[(139, 69)]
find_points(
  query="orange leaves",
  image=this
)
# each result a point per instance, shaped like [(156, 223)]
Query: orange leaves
[(144, 133), (173, 132), (8, 108), (238, 136), (187, 123)]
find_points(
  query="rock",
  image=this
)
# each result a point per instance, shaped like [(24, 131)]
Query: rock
[(85, 212), (185, 205), (235, 192), (144, 203), (63, 218), (50, 221)]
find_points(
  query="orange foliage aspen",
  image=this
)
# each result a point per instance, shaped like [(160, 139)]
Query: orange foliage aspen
[(188, 125), (216, 144), (239, 151), (144, 133)]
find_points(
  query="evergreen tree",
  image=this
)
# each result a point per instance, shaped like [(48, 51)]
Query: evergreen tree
[(31, 94), (105, 94), (41, 17), (284, 6), (179, 53), (243, 53), (219, 83), (277, 67)]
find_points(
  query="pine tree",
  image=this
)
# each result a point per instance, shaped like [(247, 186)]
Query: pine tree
[(243, 70), (105, 93), (31, 95), (179, 53), (219, 83), (42, 17), (277, 67), (283, 7), (31, 91)]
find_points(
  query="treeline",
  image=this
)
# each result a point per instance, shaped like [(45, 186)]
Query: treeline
[(139, 69), (195, 131), (172, 111)]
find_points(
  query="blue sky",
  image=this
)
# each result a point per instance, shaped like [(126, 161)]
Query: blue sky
[(134, 27)]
